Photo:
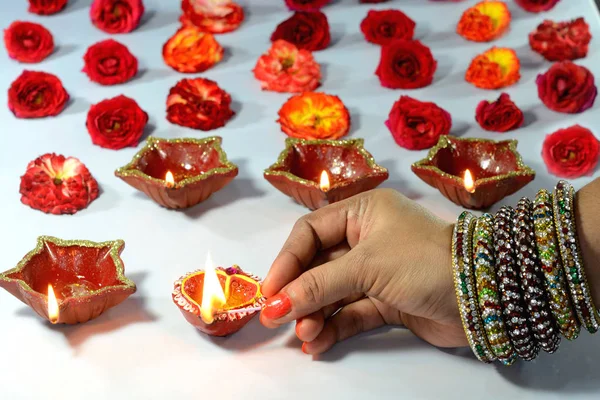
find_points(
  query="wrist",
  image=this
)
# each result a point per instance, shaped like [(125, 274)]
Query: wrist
[(588, 221)]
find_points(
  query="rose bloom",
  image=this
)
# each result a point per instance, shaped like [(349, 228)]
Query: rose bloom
[(494, 69), (116, 123), (285, 68), (116, 16), (109, 63), (382, 27), (28, 42), (313, 115), (559, 41), (485, 21), (501, 115), (567, 88), (306, 30), (571, 152), (191, 51), (214, 16), (306, 5), (199, 104), (406, 64), (58, 185), (417, 125), (46, 7), (537, 6), (36, 95)]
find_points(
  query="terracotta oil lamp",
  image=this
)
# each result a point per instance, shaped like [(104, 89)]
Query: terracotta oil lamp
[(179, 173), (474, 173), (319, 172), (70, 281)]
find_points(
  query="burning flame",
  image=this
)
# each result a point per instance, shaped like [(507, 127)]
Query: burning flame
[(324, 183), (213, 297), (52, 305), (469, 183), (170, 179)]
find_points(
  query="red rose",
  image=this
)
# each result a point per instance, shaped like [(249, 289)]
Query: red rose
[(559, 41), (116, 16), (37, 94), (567, 88), (406, 64), (306, 30), (306, 5), (46, 7), (198, 104), (27, 42), (382, 27), (109, 63), (571, 152), (537, 6), (417, 125), (501, 115), (116, 123)]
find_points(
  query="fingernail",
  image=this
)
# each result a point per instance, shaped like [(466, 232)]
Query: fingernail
[(304, 348), (277, 306), (298, 327)]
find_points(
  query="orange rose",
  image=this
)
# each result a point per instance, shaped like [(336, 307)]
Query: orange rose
[(285, 68), (214, 16), (485, 21), (313, 115), (494, 69), (191, 50)]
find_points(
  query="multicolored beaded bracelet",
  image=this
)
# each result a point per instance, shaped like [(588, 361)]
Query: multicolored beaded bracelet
[(487, 291), (566, 230), (515, 316), (549, 255), (464, 283)]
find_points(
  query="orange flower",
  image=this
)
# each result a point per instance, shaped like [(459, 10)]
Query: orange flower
[(191, 50), (214, 16), (485, 21), (494, 69), (313, 115), (285, 68)]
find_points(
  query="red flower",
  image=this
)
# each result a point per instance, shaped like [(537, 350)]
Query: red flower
[(567, 88), (198, 104), (212, 17), (559, 41), (109, 63), (37, 94), (501, 115), (27, 42), (306, 5), (116, 123), (485, 21), (406, 64), (46, 7), (417, 125), (191, 50), (382, 27), (571, 152), (116, 16), (537, 6), (58, 185), (306, 30)]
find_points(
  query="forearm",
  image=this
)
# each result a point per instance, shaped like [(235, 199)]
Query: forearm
[(588, 225)]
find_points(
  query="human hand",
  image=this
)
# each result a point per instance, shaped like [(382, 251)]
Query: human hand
[(379, 257)]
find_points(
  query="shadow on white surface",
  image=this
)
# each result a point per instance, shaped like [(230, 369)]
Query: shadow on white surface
[(400, 185), (529, 118), (444, 68), (149, 75), (335, 81), (250, 337), (76, 5), (235, 55), (153, 19), (348, 40), (246, 113), (76, 105), (460, 128), (63, 50), (338, 32)]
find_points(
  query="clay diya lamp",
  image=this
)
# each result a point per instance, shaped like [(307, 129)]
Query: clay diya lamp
[(218, 302), (179, 173), (70, 281), (474, 173), (319, 172)]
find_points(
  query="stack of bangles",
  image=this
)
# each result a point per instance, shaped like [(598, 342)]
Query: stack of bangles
[(520, 279)]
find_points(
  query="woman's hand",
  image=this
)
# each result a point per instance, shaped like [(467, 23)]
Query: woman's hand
[(379, 257)]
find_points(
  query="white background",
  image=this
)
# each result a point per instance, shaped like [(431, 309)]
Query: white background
[(144, 348)]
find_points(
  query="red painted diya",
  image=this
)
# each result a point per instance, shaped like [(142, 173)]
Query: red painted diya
[(243, 300), (179, 173), (474, 173), (319, 172), (81, 279)]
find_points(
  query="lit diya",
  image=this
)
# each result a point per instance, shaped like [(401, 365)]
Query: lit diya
[(179, 173), (70, 281), (319, 172), (218, 302), (474, 173)]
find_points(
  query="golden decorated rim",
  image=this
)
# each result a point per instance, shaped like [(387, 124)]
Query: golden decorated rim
[(447, 141), (131, 170)]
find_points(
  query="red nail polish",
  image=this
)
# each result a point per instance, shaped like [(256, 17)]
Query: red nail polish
[(304, 348), (277, 306)]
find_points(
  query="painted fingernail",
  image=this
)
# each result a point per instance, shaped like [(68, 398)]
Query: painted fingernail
[(277, 306), (304, 348)]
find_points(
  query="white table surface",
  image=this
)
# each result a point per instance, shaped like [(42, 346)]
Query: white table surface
[(144, 349)]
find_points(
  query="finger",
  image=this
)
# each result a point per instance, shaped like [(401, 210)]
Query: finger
[(333, 253), (353, 319)]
